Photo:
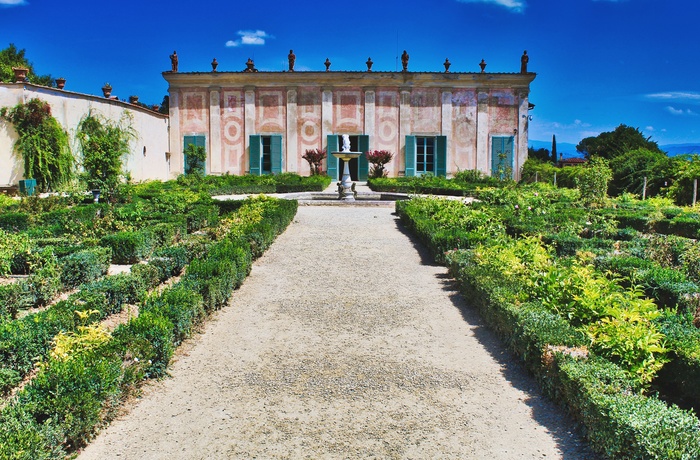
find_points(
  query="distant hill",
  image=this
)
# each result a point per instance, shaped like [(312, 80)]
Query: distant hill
[(569, 150), (679, 149), (566, 150)]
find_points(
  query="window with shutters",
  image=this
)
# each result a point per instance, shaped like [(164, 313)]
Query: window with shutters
[(426, 155), (197, 141)]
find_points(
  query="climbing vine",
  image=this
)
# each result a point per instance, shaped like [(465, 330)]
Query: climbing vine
[(104, 144), (42, 143)]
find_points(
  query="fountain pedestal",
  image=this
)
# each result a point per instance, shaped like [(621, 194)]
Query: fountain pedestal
[(345, 189)]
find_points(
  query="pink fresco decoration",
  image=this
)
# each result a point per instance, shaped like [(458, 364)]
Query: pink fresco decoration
[(232, 126), (425, 111), (387, 125), (194, 110), (270, 111), (308, 124), (349, 111), (503, 113), (463, 142)]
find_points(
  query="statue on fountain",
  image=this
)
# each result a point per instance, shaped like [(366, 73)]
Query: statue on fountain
[(346, 143)]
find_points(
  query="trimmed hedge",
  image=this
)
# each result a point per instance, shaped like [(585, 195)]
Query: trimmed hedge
[(71, 396), (129, 247), (620, 421), (84, 266)]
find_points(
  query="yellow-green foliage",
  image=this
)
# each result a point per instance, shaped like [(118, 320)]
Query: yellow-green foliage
[(83, 339)]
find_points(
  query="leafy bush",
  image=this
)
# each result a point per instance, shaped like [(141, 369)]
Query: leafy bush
[(14, 221), (315, 159), (11, 245), (147, 340), (84, 266), (128, 247), (378, 158)]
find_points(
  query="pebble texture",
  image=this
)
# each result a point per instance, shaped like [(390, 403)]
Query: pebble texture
[(345, 342)]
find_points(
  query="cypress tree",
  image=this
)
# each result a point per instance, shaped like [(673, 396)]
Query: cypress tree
[(554, 149)]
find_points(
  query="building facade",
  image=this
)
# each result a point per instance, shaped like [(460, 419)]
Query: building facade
[(433, 122)]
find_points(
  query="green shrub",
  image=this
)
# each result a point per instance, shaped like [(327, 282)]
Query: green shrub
[(14, 221), (45, 278), (128, 247), (147, 340), (84, 266), (10, 246), (181, 306), (73, 394), (22, 437)]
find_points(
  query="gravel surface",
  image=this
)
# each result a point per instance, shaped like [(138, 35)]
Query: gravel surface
[(344, 342)]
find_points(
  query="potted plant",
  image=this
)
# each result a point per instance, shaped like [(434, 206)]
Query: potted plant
[(60, 83)]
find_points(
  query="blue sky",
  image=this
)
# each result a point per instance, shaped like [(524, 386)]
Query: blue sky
[(599, 62)]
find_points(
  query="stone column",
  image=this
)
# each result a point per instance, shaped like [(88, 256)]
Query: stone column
[(326, 115), (404, 126), (446, 126), (215, 152), (370, 119), (483, 160), (249, 128), (175, 147), (292, 144)]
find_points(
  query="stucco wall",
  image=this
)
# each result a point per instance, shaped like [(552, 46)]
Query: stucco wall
[(148, 150)]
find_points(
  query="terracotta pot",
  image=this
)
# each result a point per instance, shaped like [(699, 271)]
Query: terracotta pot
[(20, 74), (107, 91), (60, 83)]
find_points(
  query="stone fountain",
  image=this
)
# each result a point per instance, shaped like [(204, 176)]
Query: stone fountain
[(346, 186)]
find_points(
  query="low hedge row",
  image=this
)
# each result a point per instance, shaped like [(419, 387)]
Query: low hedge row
[(75, 392), (620, 421), (25, 340)]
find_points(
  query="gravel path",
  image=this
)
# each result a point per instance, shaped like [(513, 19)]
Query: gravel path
[(344, 342)]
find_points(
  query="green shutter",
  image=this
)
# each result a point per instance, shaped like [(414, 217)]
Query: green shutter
[(332, 161), (410, 156), (502, 157), (255, 155), (363, 173), (441, 156), (276, 153)]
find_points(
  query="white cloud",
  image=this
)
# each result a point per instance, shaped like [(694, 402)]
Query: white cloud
[(9, 3), (686, 96), (517, 6), (675, 111), (649, 128), (248, 37)]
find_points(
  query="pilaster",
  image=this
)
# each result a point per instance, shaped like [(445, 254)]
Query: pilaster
[(292, 144), (215, 131), (404, 125), (521, 138), (370, 119), (175, 139), (249, 127), (482, 132), (326, 115), (446, 126)]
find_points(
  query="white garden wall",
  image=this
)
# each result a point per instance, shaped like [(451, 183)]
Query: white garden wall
[(147, 160)]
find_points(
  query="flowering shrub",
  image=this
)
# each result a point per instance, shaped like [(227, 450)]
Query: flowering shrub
[(378, 158), (315, 158)]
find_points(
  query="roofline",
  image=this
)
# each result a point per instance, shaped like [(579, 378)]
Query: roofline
[(351, 78)]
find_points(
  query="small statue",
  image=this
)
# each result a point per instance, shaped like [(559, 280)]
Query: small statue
[(369, 64), (341, 193), (214, 65), (354, 192), (346, 143), (292, 57), (404, 61), (173, 61), (447, 65), (523, 62), (482, 64), (328, 65), (250, 66)]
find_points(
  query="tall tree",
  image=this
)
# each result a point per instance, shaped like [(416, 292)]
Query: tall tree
[(554, 149), (539, 154), (614, 143), (12, 57)]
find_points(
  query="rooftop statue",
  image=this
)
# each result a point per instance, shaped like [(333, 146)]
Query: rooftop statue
[(173, 61), (523, 62)]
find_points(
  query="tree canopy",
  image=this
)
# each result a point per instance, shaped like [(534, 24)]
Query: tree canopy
[(12, 57), (610, 144)]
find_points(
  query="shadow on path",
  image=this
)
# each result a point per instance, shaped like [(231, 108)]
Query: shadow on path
[(567, 433)]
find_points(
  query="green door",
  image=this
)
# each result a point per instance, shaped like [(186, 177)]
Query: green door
[(502, 157), (197, 141), (441, 156), (410, 156), (255, 150)]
